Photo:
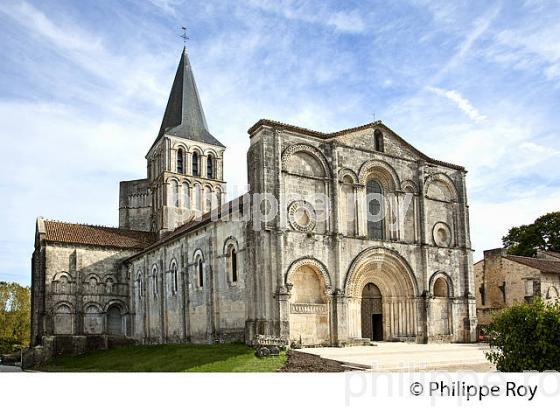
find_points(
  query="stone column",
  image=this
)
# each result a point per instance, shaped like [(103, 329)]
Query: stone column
[(219, 169), (203, 167), (283, 296), (340, 302), (188, 163), (422, 318), (361, 211)]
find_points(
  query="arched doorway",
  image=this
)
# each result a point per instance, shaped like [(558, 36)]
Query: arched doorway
[(309, 320), (379, 282), (372, 312), (63, 320), (440, 310), (114, 321)]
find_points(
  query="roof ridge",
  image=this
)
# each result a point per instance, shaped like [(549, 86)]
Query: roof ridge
[(334, 134), (532, 258), (93, 225)]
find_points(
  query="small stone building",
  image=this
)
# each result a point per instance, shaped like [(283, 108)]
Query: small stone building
[(504, 280), (342, 238)]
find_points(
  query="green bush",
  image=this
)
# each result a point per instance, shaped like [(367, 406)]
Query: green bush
[(525, 337), (10, 345)]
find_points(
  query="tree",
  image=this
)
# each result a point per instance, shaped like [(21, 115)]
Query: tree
[(525, 337), (15, 316), (543, 234)]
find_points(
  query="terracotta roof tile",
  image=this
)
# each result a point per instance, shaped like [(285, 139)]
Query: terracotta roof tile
[(65, 232), (192, 225), (544, 265)]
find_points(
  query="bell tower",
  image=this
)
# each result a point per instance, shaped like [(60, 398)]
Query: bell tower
[(185, 163)]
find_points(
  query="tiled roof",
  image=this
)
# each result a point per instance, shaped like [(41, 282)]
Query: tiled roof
[(192, 225), (328, 135), (65, 232), (544, 265)]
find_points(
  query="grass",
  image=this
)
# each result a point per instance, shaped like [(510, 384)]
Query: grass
[(234, 357)]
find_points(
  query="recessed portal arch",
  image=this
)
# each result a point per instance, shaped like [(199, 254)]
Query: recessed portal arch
[(380, 282), (309, 302)]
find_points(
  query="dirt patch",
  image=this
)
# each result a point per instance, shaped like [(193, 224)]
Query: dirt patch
[(299, 362)]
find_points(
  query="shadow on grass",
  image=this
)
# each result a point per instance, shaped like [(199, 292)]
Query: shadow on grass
[(234, 357)]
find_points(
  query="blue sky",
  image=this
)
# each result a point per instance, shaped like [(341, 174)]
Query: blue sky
[(83, 85)]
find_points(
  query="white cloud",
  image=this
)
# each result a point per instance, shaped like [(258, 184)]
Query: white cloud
[(167, 6), (340, 20), (256, 63), (461, 102)]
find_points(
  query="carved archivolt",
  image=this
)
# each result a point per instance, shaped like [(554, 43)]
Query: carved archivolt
[(346, 172), (383, 267), (292, 149), (316, 265), (409, 186), (443, 179), (382, 172), (446, 277), (118, 303)]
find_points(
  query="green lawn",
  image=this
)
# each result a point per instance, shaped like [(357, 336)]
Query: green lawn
[(234, 357)]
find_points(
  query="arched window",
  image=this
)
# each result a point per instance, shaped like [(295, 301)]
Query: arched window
[(200, 269), (109, 286), (233, 265), (441, 288), (154, 281), (375, 211), (378, 141), (210, 166), (195, 164), (140, 285), (218, 196), (180, 162), (197, 199), (174, 197), (207, 199), (174, 278), (186, 196), (92, 285)]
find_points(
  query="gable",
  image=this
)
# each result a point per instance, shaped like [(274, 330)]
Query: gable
[(364, 139)]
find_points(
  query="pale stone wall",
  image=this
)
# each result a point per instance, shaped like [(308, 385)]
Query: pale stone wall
[(214, 311), (179, 196), (350, 159), (135, 205), (80, 284)]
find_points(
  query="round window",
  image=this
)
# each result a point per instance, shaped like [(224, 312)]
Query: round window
[(301, 216), (442, 234)]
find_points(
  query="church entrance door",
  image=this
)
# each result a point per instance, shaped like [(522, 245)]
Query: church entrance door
[(114, 321), (372, 312)]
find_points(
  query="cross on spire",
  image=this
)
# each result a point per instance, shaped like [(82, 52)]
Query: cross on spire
[(184, 36)]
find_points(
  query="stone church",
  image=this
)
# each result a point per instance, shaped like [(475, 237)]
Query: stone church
[(342, 238)]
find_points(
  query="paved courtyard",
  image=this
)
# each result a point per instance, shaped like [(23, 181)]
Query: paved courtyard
[(9, 369), (395, 357)]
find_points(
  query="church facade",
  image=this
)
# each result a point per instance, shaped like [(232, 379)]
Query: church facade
[(342, 238)]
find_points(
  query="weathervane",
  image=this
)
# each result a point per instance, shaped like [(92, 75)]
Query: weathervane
[(184, 36)]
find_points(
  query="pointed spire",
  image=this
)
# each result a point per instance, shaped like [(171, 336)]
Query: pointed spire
[(184, 116)]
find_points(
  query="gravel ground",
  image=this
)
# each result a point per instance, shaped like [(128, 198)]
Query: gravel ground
[(299, 362)]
